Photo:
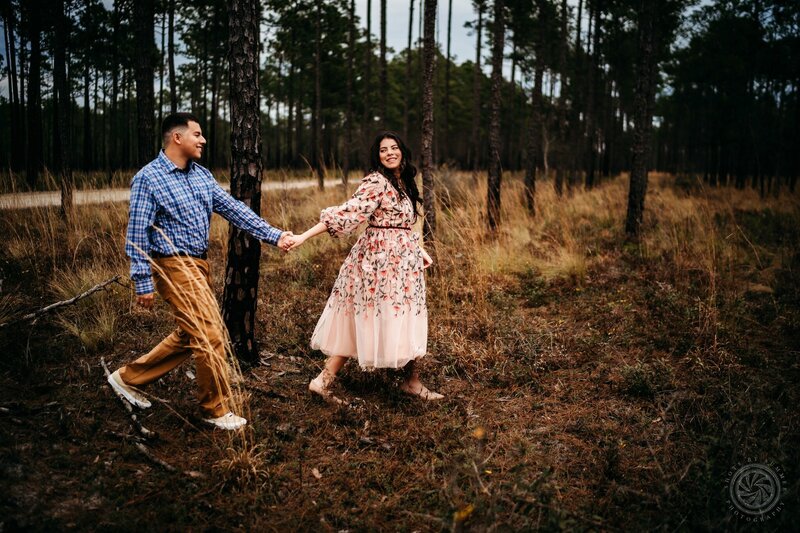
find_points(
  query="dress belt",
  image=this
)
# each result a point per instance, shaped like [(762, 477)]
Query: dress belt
[(390, 227), (159, 255)]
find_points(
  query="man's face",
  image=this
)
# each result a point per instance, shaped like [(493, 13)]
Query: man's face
[(190, 140)]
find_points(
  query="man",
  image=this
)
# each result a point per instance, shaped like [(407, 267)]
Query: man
[(172, 199)]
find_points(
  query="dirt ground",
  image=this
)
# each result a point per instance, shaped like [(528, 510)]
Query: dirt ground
[(605, 403)]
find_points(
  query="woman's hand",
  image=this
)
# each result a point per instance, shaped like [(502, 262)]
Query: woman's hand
[(426, 259), (297, 240)]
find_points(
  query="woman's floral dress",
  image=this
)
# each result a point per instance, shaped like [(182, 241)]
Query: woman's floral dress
[(376, 310)]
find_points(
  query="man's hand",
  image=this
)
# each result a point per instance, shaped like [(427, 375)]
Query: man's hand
[(145, 300), (286, 241)]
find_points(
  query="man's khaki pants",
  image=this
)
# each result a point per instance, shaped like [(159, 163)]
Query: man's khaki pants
[(185, 283)]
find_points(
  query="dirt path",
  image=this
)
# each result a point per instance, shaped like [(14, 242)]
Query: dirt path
[(25, 200)]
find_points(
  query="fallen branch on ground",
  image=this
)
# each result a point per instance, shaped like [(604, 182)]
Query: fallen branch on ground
[(44, 310), (146, 433)]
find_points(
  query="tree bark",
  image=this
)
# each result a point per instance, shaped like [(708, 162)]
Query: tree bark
[(34, 163), (445, 153), (495, 174), (407, 93), (87, 118), (144, 21), (240, 295), (561, 145), (348, 136), (61, 101), (476, 97), (13, 96), (173, 93), (643, 107), (429, 58), (316, 139), (367, 119), (384, 70)]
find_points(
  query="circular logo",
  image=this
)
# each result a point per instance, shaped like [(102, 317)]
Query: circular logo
[(755, 489)]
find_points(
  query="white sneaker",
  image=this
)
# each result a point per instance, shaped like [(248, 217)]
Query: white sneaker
[(227, 421), (129, 393)]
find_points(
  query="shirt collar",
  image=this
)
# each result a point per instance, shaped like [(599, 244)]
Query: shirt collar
[(167, 163)]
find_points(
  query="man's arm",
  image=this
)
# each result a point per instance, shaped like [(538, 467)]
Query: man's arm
[(241, 216), (137, 243)]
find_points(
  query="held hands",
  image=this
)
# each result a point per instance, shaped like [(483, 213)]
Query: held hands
[(286, 241)]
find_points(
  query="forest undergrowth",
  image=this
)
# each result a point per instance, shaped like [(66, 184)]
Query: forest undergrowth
[(591, 383)]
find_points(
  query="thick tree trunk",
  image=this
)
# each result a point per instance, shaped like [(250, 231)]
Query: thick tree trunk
[(643, 106), (144, 21), (477, 75), (495, 174), (241, 273), (61, 101), (429, 58)]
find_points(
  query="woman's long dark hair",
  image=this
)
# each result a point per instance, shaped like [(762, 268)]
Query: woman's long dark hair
[(407, 171)]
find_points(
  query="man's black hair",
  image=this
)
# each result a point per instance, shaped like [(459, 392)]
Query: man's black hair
[(176, 120)]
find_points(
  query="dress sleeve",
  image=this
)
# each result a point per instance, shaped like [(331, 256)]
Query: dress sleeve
[(346, 218)]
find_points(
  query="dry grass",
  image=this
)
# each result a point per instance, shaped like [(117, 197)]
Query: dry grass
[(591, 384)]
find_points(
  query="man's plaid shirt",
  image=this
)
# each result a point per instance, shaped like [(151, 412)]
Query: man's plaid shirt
[(171, 212)]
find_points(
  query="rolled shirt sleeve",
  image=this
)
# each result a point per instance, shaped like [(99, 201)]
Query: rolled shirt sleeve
[(137, 243), (241, 216)]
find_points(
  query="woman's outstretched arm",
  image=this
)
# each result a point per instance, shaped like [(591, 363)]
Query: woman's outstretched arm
[(310, 232)]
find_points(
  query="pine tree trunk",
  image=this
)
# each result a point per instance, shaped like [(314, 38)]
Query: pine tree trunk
[(367, 119), (11, 72), (407, 93), (495, 174), (477, 75), (146, 54), (643, 106), (316, 139), (34, 163), (561, 142), (61, 101), (173, 93), (348, 136), (384, 71), (446, 128), (87, 119), (241, 273), (161, 74), (429, 58)]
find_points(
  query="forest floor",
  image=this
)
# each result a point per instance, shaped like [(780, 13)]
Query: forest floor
[(591, 384)]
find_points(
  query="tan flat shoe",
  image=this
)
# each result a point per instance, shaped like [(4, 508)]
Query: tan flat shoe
[(424, 393), (321, 385)]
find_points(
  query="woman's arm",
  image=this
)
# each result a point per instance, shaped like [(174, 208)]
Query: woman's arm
[(310, 232)]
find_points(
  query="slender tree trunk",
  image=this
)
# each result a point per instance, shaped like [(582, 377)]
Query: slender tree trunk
[(241, 274), (34, 163), (11, 72), (643, 107), (316, 119), (561, 145), (367, 119), (384, 70), (161, 75), (495, 174), (591, 104), (534, 144), (407, 92), (144, 21), (445, 152), (87, 118), (215, 75), (173, 93), (348, 136), (429, 58), (61, 101), (476, 97), (291, 156)]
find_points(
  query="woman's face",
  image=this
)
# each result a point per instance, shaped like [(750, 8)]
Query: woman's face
[(390, 155)]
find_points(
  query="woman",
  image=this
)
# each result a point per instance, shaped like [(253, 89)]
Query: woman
[(376, 311)]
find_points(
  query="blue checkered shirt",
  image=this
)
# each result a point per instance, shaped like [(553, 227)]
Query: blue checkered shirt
[(171, 212)]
